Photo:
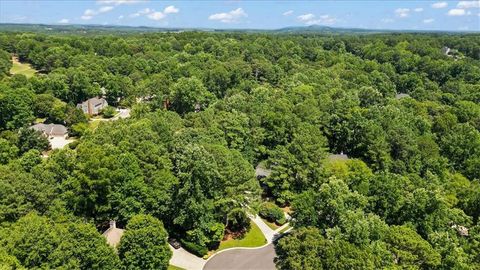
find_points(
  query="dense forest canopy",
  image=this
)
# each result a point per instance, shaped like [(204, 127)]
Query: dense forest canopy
[(372, 140)]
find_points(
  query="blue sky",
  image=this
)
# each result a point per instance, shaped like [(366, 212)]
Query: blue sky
[(411, 15)]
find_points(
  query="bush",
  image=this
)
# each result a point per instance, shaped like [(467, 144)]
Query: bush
[(272, 213), (238, 220), (281, 221), (194, 248), (109, 112), (78, 129)]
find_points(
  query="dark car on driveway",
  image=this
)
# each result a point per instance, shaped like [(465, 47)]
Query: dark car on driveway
[(174, 243)]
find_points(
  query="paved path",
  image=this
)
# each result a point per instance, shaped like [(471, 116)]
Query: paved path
[(267, 231), (186, 260), (243, 259)]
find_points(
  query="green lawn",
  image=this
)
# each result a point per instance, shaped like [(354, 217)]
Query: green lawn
[(253, 238), (173, 267), (21, 68), (272, 225)]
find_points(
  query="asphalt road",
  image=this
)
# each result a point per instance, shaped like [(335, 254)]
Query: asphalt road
[(242, 259)]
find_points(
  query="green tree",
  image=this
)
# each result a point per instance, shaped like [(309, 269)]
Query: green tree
[(15, 108), (29, 139), (188, 94), (38, 242), (144, 244), (8, 151), (409, 249)]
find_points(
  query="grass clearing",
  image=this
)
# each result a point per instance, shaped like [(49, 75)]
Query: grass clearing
[(93, 125), (22, 68), (285, 229), (272, 225), (253, 238)]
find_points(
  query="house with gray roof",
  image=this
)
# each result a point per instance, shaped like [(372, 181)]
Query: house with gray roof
[(51, 130), (93, 106)]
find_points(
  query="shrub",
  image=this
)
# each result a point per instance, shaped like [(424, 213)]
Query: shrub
[(238, 220), (194, 248), (109, 112), (272, 213)]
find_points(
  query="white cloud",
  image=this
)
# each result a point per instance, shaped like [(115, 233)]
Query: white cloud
[(170, 10), (90, 13), (105, 9), (141, 12), (121, 17), (306, 17), (418, 10), (468, 4), (288, 13), (156, 15), (456, 12), (388, 20), (428, 20), (325, 19), (440, 5), (310, 19), (229, 17), (402, 12), (118, 2), (64, 21)]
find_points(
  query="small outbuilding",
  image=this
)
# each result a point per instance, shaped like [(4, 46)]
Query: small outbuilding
[(113, 234)]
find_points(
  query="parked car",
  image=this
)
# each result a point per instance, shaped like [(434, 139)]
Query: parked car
[(174, 243)]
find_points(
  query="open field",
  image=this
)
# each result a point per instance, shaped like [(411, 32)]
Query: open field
[(22, 68)]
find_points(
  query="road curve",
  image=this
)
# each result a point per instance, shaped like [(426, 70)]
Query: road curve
[(241, 259)]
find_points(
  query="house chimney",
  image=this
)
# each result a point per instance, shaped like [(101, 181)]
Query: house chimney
[(112, 224), (89, 108)]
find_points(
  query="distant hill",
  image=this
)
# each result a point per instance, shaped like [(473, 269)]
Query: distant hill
[(326, 29), (86, 29), (78, 28)]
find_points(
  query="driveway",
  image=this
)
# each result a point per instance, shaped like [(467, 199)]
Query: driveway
[(58, 142), (242, 259), (186, 260), (122, 113)]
